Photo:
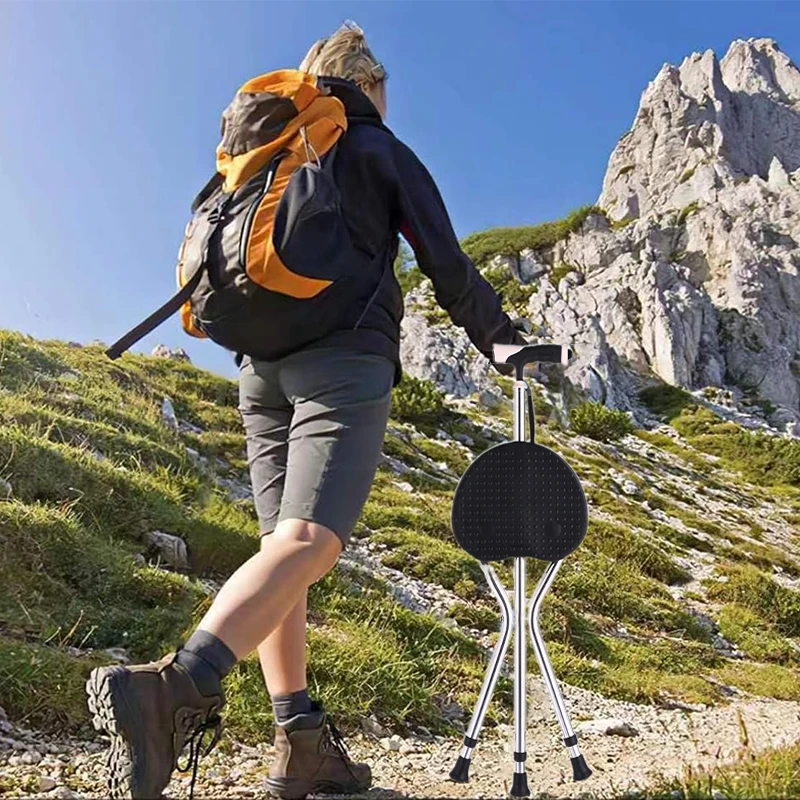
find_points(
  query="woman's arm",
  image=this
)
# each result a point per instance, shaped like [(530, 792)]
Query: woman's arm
[(460, 289)]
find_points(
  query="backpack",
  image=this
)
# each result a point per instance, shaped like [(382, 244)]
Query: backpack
[(267, 264)]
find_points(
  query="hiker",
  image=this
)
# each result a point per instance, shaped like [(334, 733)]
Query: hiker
[(315, 420)]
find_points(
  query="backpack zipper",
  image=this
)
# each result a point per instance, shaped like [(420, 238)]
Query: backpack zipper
[(269, 179)]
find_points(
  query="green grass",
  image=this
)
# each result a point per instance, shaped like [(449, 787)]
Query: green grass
[(482, 247), (69, 585), (772, 774), (764, 459), (622, 544), (431, 560), (687, 211), (561, 271), (42, 685), (598, 584), (623, 222), (751, 588), (127, 503), (93, 468), (641, 673), (764, 680), (756, 637)]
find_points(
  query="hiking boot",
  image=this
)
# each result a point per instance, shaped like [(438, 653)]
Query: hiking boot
[(151, 712), (311, 758)]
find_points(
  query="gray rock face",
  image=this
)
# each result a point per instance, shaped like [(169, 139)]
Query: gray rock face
[(525, 268), (692, 275), (697, 283), (440, 351), (173, 353), (704, 124)]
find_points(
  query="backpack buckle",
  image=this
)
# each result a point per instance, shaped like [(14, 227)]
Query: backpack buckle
[(215, 215)]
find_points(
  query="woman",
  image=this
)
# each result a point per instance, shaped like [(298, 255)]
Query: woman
[(315, 422)]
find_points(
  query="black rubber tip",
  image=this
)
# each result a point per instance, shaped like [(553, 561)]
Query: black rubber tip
[(580, 769), (519, 786), (460, 772)]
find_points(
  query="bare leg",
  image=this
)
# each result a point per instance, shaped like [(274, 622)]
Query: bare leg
[(266, 588), (283, 653)]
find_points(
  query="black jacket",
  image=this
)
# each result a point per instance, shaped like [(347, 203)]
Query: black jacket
[(385, 191)]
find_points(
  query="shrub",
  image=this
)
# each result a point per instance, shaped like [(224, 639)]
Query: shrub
[(515, 294), (665, 400), (598, 422), (483, 246), (414, 399), (408, 274)]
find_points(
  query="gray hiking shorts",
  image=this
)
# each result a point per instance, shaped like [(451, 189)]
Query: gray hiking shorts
[(315, 422)]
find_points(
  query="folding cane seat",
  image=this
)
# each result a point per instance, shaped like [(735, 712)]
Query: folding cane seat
[(520, 500)]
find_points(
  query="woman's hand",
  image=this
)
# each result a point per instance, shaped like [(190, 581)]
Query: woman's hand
[(521, 326)]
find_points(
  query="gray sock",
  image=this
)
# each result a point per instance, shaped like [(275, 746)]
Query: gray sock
[(208, 660), (286, 706)]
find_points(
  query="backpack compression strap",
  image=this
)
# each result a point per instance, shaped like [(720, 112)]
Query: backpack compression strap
[(157, 317)]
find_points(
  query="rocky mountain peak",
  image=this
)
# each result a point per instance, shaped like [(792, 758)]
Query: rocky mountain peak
[(689, 270), (705, 125)]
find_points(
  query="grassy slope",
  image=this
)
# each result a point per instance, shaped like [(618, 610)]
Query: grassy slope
[(774, 774), (93, 467)]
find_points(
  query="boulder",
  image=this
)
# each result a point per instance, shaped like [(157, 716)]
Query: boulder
[(171, 549), (607, 727), (172, 353)]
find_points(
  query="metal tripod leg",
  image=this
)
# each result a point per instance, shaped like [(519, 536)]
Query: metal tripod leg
[(580, 770), (460, 771), (519, 785)]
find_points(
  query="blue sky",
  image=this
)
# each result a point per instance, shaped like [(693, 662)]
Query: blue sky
[(111, 116)]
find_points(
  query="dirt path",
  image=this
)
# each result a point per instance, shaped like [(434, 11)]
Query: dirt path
[(666, 741)]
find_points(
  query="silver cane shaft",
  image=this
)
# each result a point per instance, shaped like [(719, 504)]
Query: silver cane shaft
[(542, 656), (496, 661)]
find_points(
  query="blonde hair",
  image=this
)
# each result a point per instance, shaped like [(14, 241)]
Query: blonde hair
[(345, 55)]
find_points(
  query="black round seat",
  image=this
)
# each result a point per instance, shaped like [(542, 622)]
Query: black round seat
[(519, 499)]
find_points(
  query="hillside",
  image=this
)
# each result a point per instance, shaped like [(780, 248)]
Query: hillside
[(125, 501), (685, 594)]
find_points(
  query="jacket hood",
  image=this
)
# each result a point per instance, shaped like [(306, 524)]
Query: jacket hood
[(356, 103)]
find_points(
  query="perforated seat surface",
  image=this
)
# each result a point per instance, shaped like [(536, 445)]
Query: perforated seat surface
[(519, 499)]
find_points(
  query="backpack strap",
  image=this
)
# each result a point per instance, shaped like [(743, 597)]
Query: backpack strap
[(213, 184), (173, 305), (148, 325)]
